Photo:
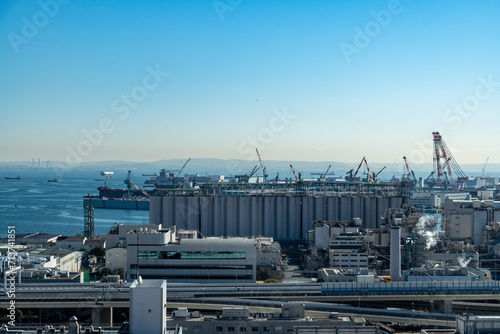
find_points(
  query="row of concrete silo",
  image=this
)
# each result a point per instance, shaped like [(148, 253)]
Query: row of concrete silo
[(282, 217)]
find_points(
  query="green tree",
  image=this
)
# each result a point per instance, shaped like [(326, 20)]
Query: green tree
[(98, 251), (271, 280), (263, 274)]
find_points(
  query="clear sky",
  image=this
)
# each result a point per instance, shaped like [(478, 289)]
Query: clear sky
[(301, 80)]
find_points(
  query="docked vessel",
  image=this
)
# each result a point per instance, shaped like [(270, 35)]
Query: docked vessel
[(107, 173), (131, 198)]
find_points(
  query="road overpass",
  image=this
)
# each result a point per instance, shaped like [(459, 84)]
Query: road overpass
[(102, 298)]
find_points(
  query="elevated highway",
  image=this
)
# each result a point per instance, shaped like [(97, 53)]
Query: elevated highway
[(101, 298)]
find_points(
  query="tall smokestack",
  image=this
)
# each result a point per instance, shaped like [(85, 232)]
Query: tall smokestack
[(395, 270)]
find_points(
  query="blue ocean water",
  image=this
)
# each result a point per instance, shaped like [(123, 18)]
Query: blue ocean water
[(33, 204)]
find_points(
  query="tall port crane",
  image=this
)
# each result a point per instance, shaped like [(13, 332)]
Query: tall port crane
[(264, 170), (409, 172), (484, 167), (441, 151), (294, 174)]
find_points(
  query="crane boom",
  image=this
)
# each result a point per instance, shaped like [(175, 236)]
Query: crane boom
[(380, 171), (294, 174), (488, 158), (410, 172), (180, 171), (326, 173), (254, 170), (369, 173), (357, 169), (264, 174)]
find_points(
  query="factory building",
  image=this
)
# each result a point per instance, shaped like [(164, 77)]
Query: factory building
[(280, 217), (291, 319), (435, 200), (467, 219), (477, 324), (152, 255)]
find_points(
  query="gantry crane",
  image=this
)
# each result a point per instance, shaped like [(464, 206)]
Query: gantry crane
[(264, 170), (441, 151)]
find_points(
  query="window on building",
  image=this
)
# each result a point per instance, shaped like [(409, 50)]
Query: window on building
[(219, 329), (196, 329), (255, 329), (278, 329), (230, 329), (243, 329), (199, 255)]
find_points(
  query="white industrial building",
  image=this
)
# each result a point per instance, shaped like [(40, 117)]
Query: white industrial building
[(348, 258), (293, 318), (153, 255), (425, 200), (467, 219), (79, 242), (148, 306)]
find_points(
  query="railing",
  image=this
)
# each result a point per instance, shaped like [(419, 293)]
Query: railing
[(449, 287)]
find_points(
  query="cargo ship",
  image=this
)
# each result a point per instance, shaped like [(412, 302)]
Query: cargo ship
[(131, 198), (107, 173), (13, 178)]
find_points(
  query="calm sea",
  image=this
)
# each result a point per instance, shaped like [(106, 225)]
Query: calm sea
[(33, 204)]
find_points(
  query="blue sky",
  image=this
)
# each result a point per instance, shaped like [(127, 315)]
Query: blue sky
[(301, 80)]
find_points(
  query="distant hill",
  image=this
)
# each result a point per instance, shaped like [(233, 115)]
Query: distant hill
[(229, 167)]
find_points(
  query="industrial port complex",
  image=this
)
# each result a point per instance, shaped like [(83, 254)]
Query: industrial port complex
[(249, 253)]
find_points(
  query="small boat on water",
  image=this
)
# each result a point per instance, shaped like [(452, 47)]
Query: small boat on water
[(13, 178), (52, 180), (99, 180)]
